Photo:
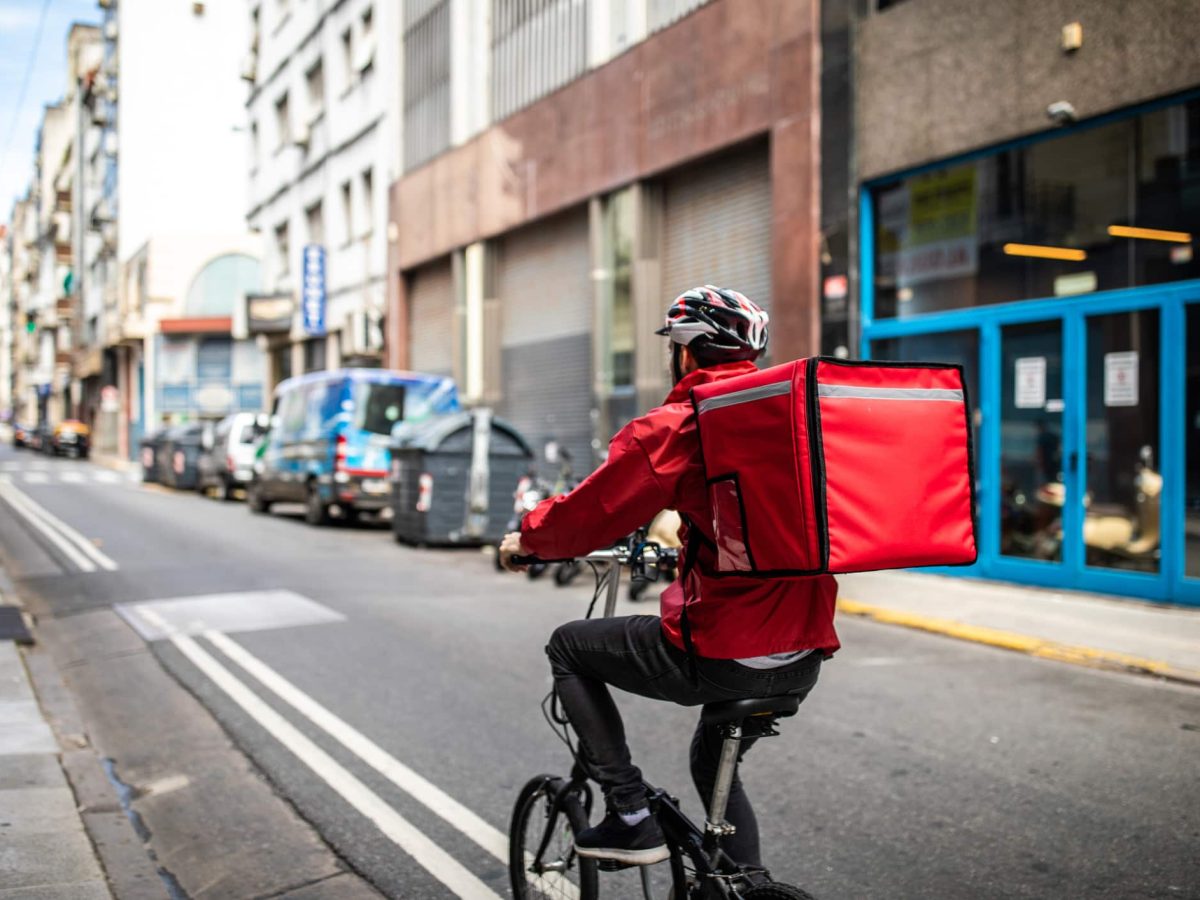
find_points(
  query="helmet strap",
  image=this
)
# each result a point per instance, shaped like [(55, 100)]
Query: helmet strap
[(676, 363)]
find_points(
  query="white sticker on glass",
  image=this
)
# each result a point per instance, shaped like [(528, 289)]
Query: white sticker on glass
[(1030, 388), (1121, 378)]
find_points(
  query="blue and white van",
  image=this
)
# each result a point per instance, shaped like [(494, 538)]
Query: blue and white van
[(327, 445)]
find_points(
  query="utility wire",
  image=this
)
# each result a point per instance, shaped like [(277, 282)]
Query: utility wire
[(33, 53)]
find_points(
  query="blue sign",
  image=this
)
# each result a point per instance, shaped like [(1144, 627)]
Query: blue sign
[(312, 293)]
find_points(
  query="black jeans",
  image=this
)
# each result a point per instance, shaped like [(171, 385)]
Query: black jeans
[(631, 653)]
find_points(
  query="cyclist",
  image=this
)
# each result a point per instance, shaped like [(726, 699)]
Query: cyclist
[(740, 637)]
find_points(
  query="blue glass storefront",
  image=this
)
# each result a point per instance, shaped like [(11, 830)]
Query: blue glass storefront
[(1060, 271)]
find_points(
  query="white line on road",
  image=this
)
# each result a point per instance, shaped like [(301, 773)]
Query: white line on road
[(71, 477), (37, 478), (106, 477), (419, 788), (62, 535), (8, 493), (429, 855)]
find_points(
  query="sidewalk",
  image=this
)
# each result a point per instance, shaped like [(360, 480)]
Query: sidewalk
[(44, 851), (1084, 629)]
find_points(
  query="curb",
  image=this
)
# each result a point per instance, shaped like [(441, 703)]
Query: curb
[(1020, 643)]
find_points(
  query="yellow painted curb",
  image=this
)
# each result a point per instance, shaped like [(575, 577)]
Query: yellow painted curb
[(1021, 643)]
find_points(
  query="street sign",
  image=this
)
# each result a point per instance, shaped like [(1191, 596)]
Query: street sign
[(312, 294)]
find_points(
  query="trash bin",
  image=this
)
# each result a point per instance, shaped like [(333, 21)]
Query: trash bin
[(149, 448), (179, 454), (453, 478)]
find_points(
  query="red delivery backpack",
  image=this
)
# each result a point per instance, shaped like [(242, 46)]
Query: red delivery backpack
[(826, 466)]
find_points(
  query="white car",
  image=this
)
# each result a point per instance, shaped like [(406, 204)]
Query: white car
[(227, 462)]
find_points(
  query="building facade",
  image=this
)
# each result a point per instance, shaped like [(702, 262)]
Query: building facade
[(171, 103), (569, 167), (323, 120), (1029, 205)]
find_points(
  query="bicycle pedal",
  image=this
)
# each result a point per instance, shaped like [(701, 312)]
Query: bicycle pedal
[(611, 865)]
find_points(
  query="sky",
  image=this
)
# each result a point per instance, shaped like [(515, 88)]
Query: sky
[(45, 63)]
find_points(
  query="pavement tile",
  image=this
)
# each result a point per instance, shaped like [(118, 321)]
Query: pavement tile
[(80, 890), (30, 770), (37, 860), (38, 811)]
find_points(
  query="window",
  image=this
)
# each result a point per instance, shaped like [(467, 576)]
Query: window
[(426, 80), (315, 79), (282, 250), (283, 122), (348, 211), (366, 54), (368, 22), (1097, 208), (314, 354), (368, 186), (214, 359), (348, 56), (254, 145), (315, 218)]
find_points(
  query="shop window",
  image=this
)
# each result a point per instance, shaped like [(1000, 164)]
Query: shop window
[(1100, 208), (214, 359), (1191, 522)]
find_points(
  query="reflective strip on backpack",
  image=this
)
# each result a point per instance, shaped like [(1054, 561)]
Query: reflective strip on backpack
[(845, 391), (749, 394)]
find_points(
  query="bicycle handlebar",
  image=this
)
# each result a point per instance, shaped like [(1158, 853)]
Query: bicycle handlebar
[(620, 555)]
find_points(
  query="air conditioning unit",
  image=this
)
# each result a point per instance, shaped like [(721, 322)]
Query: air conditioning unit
[(250, 68), (302, 136)]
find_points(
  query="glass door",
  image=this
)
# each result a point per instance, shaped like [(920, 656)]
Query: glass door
[(1121, 528), (1032, 486)]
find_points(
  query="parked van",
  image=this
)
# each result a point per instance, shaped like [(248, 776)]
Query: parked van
[(227, 460), (328, 441)]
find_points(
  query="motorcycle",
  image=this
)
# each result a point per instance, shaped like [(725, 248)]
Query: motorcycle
[(532, 490)]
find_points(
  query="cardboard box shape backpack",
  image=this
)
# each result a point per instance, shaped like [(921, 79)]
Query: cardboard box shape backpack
[(827, 466)]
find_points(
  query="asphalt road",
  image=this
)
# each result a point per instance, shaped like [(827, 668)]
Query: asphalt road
[(919, 767)]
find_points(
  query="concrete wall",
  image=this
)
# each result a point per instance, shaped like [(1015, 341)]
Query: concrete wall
[(939, 77)]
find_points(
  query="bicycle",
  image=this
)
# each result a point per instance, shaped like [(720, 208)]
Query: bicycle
[(550, 809)]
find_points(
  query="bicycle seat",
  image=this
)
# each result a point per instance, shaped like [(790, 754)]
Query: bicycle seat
[(735, 710)]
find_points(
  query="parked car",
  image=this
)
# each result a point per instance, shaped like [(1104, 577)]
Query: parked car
[(21, 435), (327, 445), (226, 464), (71, 438)]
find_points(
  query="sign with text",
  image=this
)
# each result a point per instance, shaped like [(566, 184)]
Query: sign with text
[(312, 292), (1121, 378), (1030, 388)]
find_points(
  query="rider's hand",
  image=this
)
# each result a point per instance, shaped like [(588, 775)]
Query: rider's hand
[(509, 547)]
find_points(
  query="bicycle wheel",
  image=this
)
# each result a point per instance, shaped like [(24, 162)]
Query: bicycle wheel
[(776, 891), (563, 874)]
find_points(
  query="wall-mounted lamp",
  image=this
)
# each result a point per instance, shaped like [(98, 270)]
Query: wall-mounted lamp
[(1040, 251)]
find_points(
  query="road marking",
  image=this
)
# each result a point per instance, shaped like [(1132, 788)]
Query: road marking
[(62, 535), (412, 841), (106, 477), (81, 562), (37, 478), (416, 786), (71, 477)]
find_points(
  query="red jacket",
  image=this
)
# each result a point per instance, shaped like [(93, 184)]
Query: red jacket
[(654, 464)]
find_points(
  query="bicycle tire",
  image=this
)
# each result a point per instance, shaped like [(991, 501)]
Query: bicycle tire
[(776, 890), (538, 793)]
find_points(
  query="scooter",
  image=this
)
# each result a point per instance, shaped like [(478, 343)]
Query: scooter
[(532, 490)]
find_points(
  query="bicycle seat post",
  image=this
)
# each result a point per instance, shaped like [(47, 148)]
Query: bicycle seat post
[(613, 588), (716, 826)]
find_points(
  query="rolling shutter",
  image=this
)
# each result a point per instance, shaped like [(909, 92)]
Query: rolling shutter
[(432, 318), (543, 280), (717, 229)]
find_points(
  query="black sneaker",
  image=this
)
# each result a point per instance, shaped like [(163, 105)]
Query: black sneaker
[(633, 845)]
